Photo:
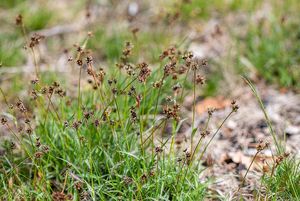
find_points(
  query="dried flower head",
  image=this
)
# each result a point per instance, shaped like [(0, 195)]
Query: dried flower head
[(60, 196), (172, 111), (13, 145), (261, 145), (28, 131), (144, 177), (19, 19), (38, 154), (234, 106), (79, 62), (176, 88), (35, 81), (78, 186), (89, 59), (45, 148), (170, 52), (96, 122), (37, 142), (76, 124), (3, 120), (205, 133), (144, 72), (35, 40), (127, 180), (210, 111), (21, 106), (157, 84), (158, 150), (199, 79), (133, 115)]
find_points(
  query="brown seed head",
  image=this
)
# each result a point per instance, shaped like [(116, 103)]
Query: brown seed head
[(199, 79), (19, 19), (38, 154), (3, 120)]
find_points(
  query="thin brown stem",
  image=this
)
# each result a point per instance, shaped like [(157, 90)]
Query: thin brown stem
[(194, 109), (217, 131), (201, 138), (244, 178)]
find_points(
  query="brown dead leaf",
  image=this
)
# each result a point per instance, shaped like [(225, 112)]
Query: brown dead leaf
[(218, 102), (240, 158)]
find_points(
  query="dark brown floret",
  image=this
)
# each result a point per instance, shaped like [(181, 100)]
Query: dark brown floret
[(234, 106), (172, 112), (38, 142), (79, 62), (127, 180), (35, 40), (199, 79), (78, 186), (34, 81), (59, 196), (158, 149), (38, 155), (3, 120), (28, 131), (19, 19), (97, 122), (21, 107), (133, 114), (144, 72)]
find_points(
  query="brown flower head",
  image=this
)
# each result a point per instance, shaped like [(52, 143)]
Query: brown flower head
[(199, 79), (35, 40), (144, 72), (19, 19)]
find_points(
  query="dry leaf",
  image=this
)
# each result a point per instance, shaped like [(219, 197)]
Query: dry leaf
[(218, 102)]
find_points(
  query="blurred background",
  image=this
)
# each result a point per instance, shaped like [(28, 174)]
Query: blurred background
[(253, 37)]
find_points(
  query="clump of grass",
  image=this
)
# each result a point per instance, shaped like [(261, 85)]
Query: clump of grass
[(280, 179), (271, 45), (10, 4), (10, 50), (195, 10), (109, 140), (102, 143), (285, 181)]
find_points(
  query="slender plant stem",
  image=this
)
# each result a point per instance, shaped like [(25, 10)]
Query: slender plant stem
[(152, 133), (78, 101), (4, 97), (264, 111), (217, 131), (200, 140), (244, 178), (194, 109)]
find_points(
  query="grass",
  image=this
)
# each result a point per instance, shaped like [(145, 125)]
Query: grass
[(11, 53), (281, 178), (108, 140), (99, 146), (270, 46), (203, 10), (284, 184), (10, 4)]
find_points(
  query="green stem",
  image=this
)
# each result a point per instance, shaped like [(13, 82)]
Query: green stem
[(217, 131)]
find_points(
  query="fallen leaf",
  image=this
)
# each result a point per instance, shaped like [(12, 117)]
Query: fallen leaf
[(218, 102)]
